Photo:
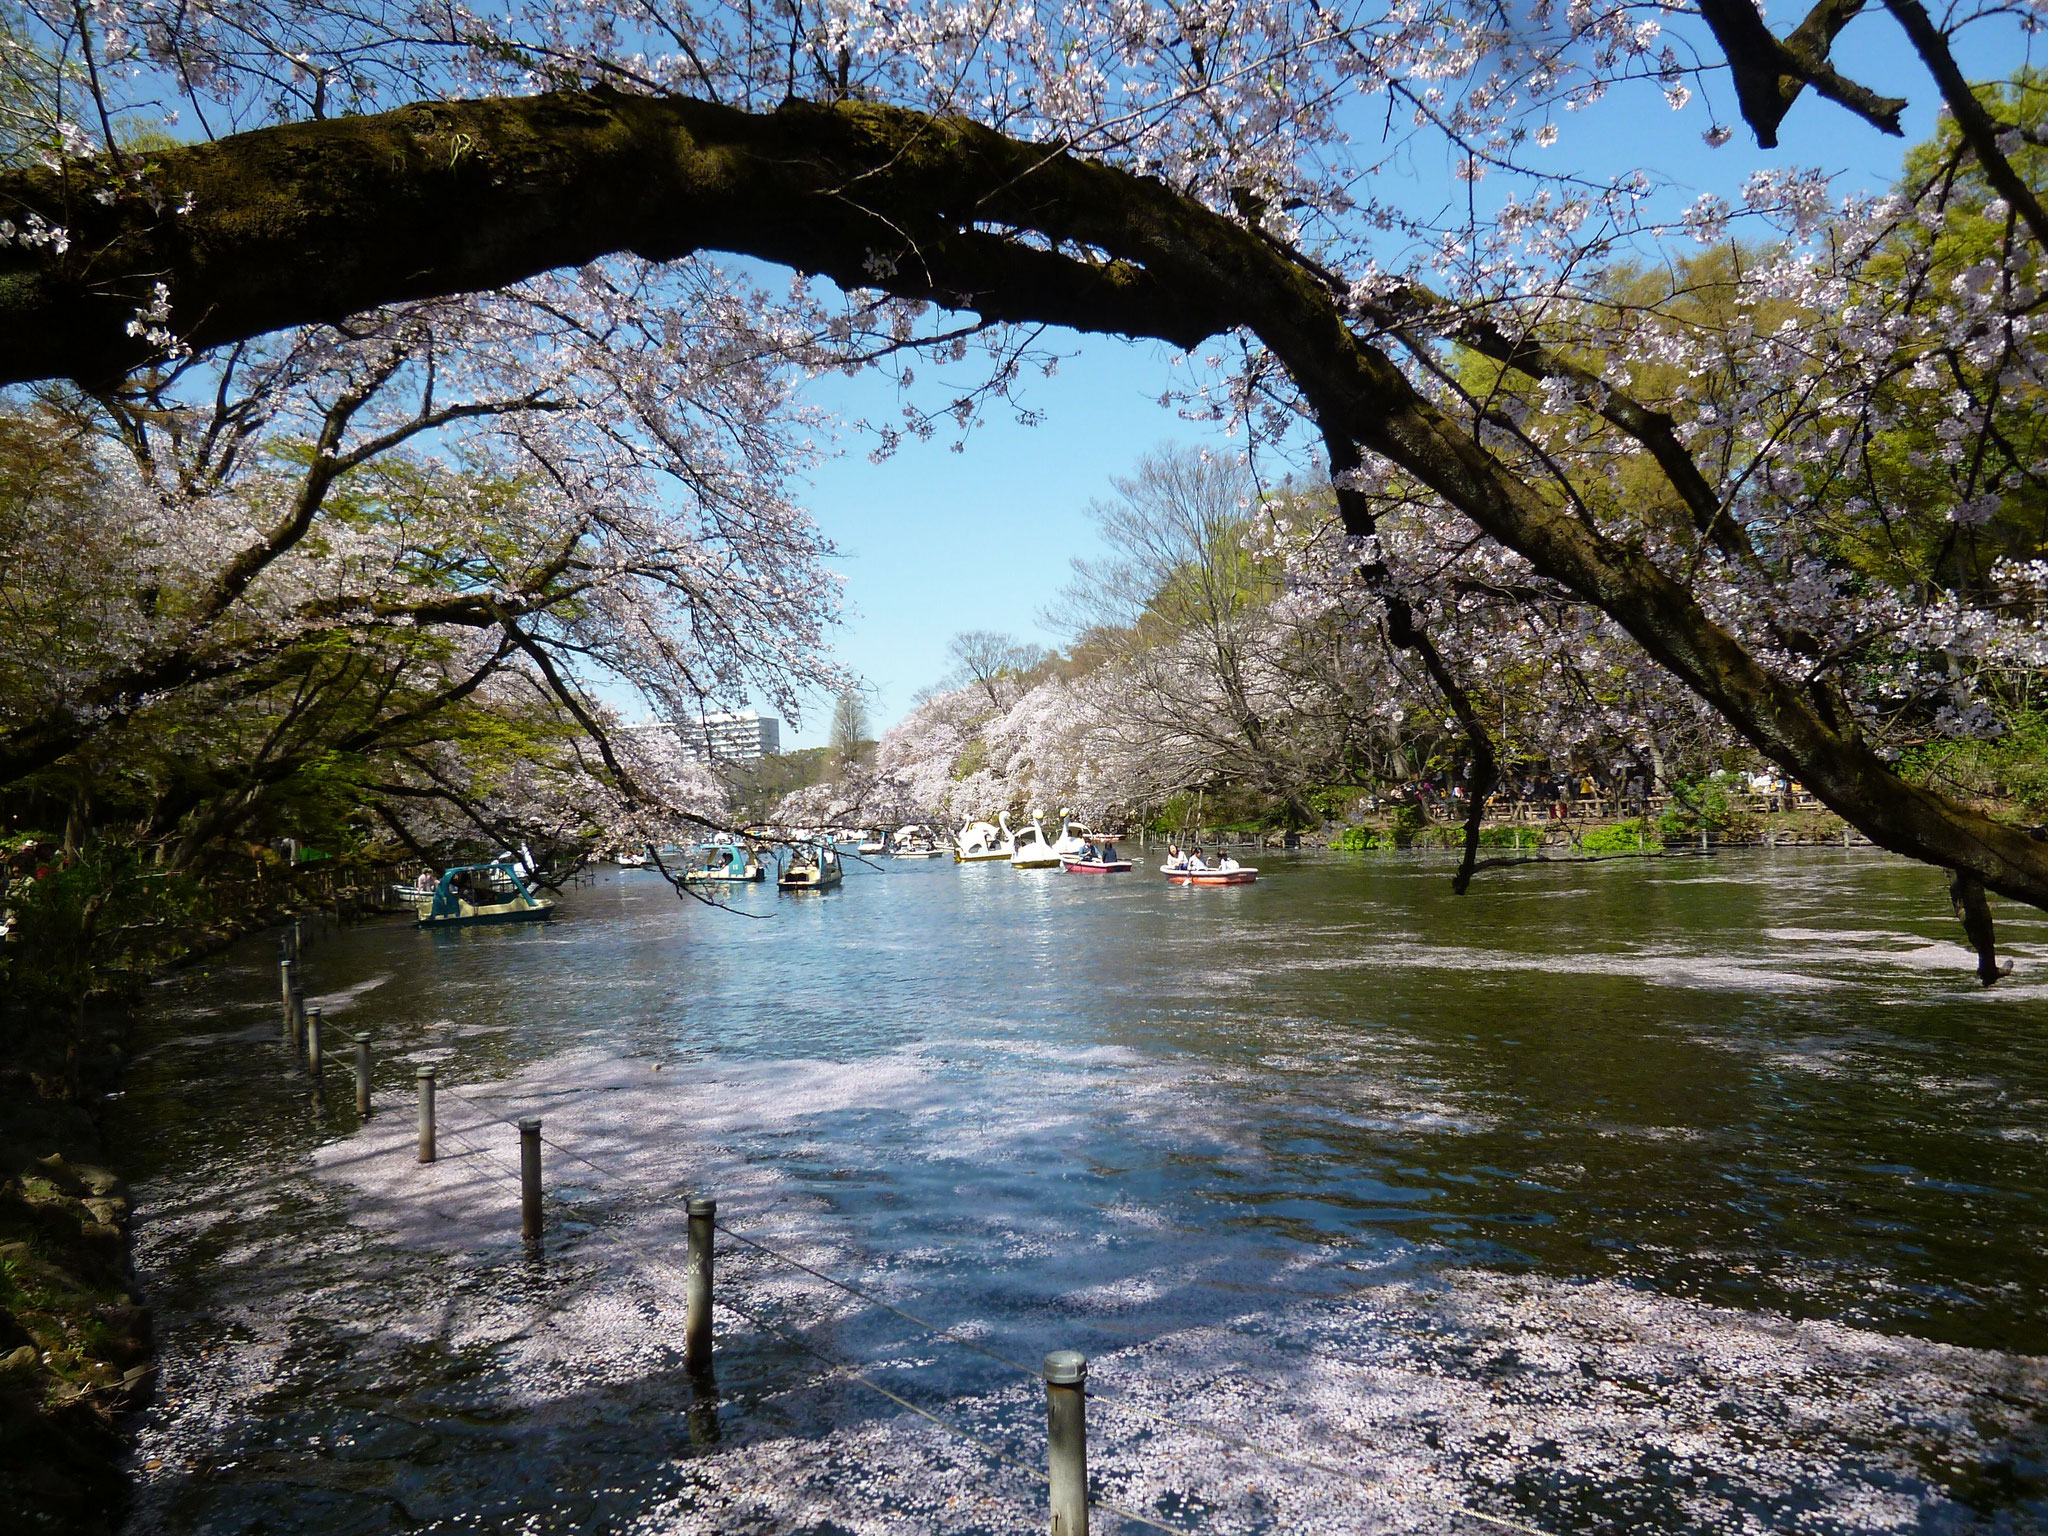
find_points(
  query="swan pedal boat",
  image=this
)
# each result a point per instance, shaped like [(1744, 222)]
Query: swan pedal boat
[(1034, 850), (1239, 876), (1095, 866), (980, 843)]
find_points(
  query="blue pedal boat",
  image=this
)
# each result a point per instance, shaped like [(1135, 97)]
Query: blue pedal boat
[(470, 894)]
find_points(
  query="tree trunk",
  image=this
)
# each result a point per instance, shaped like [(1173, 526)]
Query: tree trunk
[(310, 222)]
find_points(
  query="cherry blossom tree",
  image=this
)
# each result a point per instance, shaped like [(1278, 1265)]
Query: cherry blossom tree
[(353, 539), (1207, 176), (994, 663)]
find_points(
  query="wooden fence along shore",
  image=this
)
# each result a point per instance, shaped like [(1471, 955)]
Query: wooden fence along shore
[(309, 1053), (1801, 820), (1061, 1469)]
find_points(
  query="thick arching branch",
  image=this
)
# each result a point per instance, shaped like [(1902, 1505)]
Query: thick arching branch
[(311, 221), (1770, 71)]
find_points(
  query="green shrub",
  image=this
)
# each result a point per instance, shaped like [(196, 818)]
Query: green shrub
[(1408, 825), (1711, 807), (1622, 837), (1361, 839)]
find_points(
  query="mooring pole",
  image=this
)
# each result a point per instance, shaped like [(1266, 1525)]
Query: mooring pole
[(1066, 1431), (314, 1061), (425, 1078), (529, 1179), (362, 1076), (697, 1288), (284, 986)]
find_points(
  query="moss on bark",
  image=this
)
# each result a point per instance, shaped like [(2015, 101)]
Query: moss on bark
[(314, 221)]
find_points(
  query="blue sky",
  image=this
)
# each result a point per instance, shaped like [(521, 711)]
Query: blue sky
[(935, 542)]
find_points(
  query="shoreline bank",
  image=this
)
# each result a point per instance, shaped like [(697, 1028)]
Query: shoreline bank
[(76, 1347), (77, 1341)]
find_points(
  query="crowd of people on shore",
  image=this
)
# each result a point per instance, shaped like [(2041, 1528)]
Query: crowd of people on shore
[(1628, 790)]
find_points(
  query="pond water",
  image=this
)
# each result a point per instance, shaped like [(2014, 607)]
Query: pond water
[(1689, 1194)]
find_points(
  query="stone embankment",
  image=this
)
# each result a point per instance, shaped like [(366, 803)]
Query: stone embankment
[(75, 1345)]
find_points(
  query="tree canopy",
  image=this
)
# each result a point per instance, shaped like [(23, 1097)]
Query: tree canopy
[(1209, 177)]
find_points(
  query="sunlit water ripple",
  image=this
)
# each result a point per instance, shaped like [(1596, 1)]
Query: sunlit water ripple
[(1686, 1195)]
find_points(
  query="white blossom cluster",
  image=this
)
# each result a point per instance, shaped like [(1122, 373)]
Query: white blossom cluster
[(517, 501), (1849, 377)]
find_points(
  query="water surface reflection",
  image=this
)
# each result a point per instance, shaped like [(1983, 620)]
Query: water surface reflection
[(1678, 1195)]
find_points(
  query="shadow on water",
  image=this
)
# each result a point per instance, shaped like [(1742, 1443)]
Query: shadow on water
[(1661, 1195)]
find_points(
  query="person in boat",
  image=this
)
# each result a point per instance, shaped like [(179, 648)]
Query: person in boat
[(1089, 855), (1108, 854), (1175, 859), (1195, 864), (1226, 864)]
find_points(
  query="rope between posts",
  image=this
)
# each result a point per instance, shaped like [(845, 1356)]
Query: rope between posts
[(292, 1175), (853, 1290), (455, 1093), (938, 1331), (988, 1447), (772, 1252), (491, 1163), (1221, 1436)]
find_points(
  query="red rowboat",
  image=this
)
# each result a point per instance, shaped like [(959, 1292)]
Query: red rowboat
[(1095, 866), (1208, 876)]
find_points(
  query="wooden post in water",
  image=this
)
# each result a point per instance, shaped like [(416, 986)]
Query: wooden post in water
[(697, 1288), (314, 1060), (425, 1078), (529, 1179), (362, 1076), (1066, 1431), (284, 983)]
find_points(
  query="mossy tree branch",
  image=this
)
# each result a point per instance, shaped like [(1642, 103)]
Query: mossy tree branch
[(311, 222)]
